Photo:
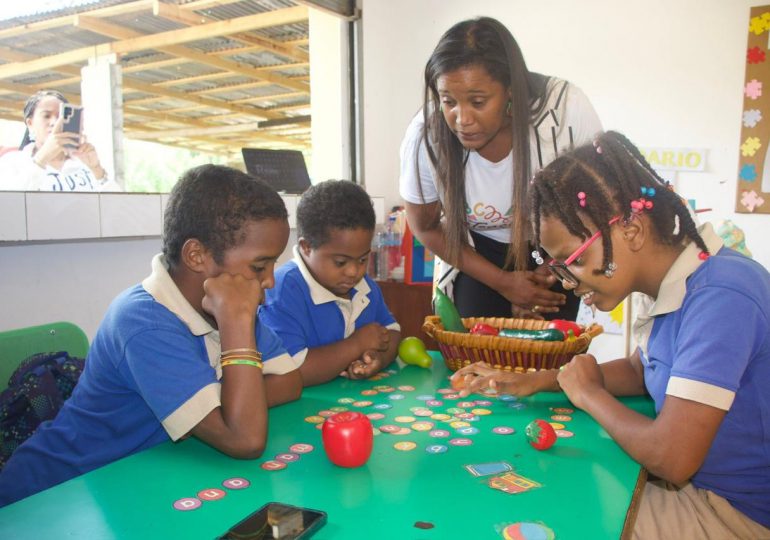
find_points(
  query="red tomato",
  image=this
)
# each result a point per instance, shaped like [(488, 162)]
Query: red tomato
[(348, 438), (540, 434), (484, 329), (565, 327)]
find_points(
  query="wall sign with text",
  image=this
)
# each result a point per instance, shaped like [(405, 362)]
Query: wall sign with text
[(676, 159)]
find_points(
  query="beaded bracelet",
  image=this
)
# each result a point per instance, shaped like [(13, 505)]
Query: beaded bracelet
[(242, 362)]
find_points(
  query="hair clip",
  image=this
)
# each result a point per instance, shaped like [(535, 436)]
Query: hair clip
[(536, 255), (641, 204), (596, 145), (610, 271), (581, 198), (647, 191)]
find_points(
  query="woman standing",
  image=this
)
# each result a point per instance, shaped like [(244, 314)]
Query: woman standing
[(486, 125), (50, 159)]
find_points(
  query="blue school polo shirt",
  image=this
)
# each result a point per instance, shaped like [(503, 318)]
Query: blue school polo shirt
[(152, 374), (306, 315), (707, 339)]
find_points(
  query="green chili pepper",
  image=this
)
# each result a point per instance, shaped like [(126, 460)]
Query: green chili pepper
[(550, 334), (447, 312)]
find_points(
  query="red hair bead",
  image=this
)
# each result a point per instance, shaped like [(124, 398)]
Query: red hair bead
[(703, 255)]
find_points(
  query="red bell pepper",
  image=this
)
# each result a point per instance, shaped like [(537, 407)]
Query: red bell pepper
[(484, 329), (540, 434), (566, 326)]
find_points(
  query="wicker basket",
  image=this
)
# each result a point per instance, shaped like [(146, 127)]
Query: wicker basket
[(511, 354)]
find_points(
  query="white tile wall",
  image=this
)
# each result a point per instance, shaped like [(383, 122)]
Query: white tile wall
[(60, 216), (13, 217), (130, 214), (74, 216)]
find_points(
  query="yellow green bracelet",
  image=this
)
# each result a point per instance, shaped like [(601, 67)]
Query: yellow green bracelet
[(241, 362)]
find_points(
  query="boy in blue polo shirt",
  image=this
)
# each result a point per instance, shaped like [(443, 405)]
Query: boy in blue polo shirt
[(183, 352), (330, 315)]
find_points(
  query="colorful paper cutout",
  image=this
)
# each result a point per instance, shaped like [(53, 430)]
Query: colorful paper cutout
[(750, 146), (752, 117), (760, 24), (753, 89), (748, 173), (750, 200), (755, 55)]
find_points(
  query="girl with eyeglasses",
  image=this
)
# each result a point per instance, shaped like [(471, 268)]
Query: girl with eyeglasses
[(611, 226)]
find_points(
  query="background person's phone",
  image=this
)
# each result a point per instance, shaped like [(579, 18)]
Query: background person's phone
[(277, 521), (73, 120)]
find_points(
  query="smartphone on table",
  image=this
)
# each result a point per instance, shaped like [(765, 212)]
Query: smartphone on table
[(277, 521), (73, 121)]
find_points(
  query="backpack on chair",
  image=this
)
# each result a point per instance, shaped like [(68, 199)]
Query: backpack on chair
[(36, 392)]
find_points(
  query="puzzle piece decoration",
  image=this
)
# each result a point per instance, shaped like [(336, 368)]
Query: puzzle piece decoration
[(760, 24), (750, 146), (752, 117), (748, 173), (753, 89), (755, 55), (750, 200)]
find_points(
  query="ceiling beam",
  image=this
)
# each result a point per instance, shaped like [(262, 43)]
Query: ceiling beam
[(159, 40), (66, 20), (188, 17), (121, 33)]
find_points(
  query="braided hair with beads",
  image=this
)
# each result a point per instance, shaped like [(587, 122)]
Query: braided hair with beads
[(615, 177)]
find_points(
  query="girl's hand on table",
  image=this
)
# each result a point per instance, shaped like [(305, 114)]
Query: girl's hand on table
[(483, 378), (581, 378)]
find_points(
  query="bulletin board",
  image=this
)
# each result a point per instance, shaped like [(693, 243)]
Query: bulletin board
[(753, 186)]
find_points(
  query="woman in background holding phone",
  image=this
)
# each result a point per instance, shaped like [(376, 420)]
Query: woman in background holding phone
[(50, 158)]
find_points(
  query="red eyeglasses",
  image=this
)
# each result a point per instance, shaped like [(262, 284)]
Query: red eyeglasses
[(560, 270)]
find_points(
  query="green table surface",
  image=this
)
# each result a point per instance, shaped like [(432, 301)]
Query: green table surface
[(588, 481)]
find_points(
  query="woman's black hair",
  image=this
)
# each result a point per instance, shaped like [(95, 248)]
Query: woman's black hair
[(612, 173), (213, 203), (487, 43), (334, 204), (31, 105)]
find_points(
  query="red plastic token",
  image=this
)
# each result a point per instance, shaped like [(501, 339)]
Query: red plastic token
[(211, 494), (273, 465)]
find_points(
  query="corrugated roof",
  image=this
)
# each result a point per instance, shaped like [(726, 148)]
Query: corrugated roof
[(185, 77)]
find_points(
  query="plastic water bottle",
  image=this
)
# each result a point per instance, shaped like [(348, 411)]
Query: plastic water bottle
[(380, 257), (395, 267)]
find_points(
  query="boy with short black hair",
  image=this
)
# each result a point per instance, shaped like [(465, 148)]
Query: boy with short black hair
[(182, 353), (331, 316)]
